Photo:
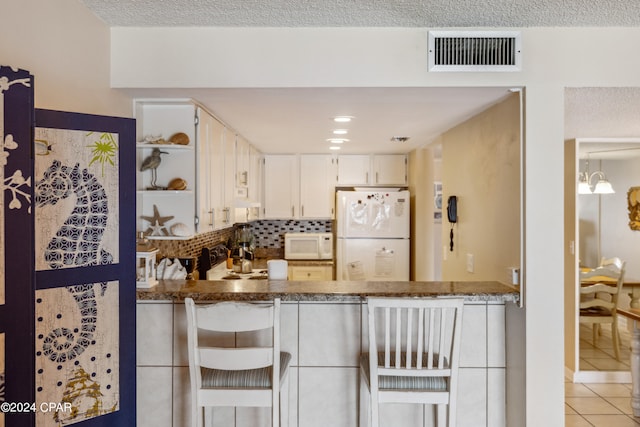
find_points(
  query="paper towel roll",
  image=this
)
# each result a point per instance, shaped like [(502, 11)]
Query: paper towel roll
[(277, 269)]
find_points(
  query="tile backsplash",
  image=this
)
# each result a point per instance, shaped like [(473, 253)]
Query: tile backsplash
[(269, 238), (269, 233), (191, 247)]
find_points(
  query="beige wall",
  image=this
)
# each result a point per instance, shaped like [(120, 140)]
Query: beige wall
[(570, 266), (421, 177), (481, 165), (67, 49)]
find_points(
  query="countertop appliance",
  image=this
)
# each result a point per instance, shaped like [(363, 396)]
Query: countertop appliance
[(373, 234), (308, 246), (212, 265), (221, 272), (209, 258)]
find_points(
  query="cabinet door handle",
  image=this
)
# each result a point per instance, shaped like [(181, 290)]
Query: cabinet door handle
[(366, 177), (293, 214), (211, 218), (302, 210), (376, 177)]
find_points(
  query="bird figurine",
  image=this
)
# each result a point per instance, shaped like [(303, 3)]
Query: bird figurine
[(152, 162)]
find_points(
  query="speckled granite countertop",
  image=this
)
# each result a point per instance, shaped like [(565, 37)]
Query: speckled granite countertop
[(262, 290), (310, 262)]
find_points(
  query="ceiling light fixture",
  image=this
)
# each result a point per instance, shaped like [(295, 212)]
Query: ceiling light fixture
[(603, 186), (340, 132), (342, 119), (337, 140), (334, 147)]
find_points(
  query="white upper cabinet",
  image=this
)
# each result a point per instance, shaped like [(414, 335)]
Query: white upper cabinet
[(389, 169), (255, 175), (317, 185), (243, 162), (299, 186), (229, 176), (376, 169), (220, 168), (210, 172), (353, 169), (169, 208), (281, 186)]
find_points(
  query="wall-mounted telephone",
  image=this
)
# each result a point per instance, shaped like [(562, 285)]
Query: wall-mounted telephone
[(452, 209), (452, 216)]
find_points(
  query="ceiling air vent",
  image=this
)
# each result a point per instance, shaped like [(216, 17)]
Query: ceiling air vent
[(474, 51)]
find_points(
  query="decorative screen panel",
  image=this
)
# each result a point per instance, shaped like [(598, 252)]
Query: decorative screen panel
[(16, 241), (76, 197), (14, 137), (84, 239), (77, 360), (2, 376)]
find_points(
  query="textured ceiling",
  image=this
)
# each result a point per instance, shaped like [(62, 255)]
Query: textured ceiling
[(604, 113), (368, 13)]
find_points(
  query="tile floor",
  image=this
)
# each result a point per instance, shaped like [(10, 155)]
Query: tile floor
[(602, 357), (600, 405)]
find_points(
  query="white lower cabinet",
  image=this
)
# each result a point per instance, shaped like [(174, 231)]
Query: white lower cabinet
[(310, 272), (325, 340)]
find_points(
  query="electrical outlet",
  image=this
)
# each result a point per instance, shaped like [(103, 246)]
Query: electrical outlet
[(470, 263)]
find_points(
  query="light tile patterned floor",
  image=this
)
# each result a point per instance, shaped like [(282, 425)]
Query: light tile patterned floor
[(601, 357), (600, 405)]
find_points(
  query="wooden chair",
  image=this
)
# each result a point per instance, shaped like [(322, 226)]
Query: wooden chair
[(599, 302), (244, 376), (413, 355)]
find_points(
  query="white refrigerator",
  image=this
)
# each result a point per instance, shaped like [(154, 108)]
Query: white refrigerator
[(372, 236)]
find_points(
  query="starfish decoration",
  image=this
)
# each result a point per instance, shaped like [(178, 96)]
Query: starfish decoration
[(157, 227)]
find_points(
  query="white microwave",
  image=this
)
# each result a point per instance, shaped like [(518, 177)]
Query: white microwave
[(308, 246)]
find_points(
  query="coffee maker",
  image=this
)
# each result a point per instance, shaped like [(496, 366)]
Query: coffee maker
[(242, 248)]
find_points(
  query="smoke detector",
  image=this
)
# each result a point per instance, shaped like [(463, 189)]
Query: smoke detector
[(399, 138)]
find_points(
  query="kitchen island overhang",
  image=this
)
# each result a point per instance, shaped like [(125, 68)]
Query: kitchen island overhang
[(265, 290)]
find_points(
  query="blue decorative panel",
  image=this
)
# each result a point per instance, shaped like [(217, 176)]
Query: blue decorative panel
[(74, 316), (84, 301), (76, 198), (16, 237), (77, 355)]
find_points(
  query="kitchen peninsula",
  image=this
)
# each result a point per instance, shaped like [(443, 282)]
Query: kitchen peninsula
[(324, 328)]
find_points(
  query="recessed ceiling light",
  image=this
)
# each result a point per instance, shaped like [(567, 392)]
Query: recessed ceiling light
[(337, 140), (340, 132), (334, 147), (342, 119)]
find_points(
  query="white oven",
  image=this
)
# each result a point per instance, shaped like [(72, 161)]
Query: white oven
[(308, 246)]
